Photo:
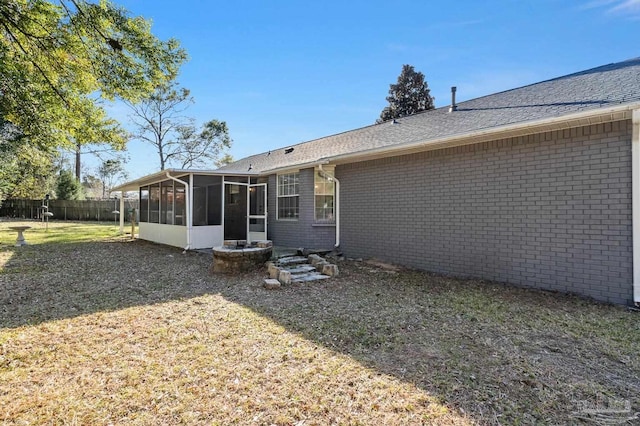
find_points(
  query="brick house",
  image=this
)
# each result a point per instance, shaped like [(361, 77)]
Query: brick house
[(533, 186)]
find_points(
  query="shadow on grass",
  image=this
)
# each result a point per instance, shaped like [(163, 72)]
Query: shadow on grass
[(501, 355), (504, 355), (45, 282)]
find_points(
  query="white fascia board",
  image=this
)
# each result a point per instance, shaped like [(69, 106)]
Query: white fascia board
[(148, 179), (162, 175), (293, 168)]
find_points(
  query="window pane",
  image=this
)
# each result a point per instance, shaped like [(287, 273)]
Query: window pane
[(324, 189), (239, 179), (169, 203), (207, 200), (144, 204), (166, 202), (199, 205), (179, 205), (214, 204), (256, 225), (154, 203), (256, 201), (288, 197), (288, 208)]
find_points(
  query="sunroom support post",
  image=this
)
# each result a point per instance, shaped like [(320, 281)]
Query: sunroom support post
[(187, 204), (122, 212)]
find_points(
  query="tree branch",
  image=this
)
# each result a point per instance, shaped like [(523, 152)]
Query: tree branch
[(35, 64)]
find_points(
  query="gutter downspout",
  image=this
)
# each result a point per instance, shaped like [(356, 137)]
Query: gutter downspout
[(187, 203), (337, 204), (635, 203)]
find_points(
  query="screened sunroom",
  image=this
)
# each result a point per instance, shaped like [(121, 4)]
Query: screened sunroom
[(198, 209)]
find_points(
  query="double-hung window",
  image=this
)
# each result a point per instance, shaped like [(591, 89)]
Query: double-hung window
[(324, 191), (288, 196)]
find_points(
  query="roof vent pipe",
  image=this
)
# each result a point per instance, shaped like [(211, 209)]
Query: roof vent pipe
[(453, 106)]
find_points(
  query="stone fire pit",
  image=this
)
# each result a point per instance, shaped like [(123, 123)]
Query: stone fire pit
[(241, 256)]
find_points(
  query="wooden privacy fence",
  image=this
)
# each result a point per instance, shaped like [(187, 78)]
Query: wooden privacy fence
[(99, 210)]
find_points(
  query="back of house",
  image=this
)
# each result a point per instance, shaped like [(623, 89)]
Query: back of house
[(533, 186)]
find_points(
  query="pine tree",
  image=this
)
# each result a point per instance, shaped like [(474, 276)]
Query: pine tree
[(68, 187), (410, 95)]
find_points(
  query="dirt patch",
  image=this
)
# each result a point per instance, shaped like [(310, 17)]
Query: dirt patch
[(383, 265)]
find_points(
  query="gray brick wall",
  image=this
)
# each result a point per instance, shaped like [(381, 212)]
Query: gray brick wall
[(551, 211), (303, 232)]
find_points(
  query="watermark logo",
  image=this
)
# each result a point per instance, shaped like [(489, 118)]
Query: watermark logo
[(605, 412)]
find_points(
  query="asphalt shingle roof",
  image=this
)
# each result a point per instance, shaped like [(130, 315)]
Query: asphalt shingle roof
[(600, 87)]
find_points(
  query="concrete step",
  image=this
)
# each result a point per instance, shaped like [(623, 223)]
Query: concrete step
[(291, 260), (312, 276), (296, 269), (300, 269), (271, 284)]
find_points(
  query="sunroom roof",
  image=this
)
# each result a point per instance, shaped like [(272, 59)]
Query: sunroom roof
[(175, 173)]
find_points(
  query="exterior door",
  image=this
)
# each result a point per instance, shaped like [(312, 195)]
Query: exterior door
[(258, 212), (235, 211)]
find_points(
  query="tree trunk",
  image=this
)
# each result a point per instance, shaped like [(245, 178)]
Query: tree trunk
[(78, 161)]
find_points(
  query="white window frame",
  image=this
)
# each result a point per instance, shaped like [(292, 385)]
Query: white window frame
[(279, 195)]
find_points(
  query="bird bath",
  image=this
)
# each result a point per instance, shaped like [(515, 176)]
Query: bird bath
[(20, 229)]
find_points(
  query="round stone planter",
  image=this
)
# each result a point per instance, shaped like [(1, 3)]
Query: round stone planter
[(237, 256)]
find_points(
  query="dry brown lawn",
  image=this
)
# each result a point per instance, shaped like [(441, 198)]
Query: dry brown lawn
[(96, 329)]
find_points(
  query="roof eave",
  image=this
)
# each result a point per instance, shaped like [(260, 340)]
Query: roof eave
[(135, 184), (294, 167), (584, 118), (162, 175)]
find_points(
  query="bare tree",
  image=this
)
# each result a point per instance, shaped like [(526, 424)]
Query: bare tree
[(159, 121), (110, 172)]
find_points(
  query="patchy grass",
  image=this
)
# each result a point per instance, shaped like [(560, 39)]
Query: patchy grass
[(104, 330), (55, 232)]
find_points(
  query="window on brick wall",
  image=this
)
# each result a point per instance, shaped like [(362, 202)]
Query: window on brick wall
[(288, 196), (324, 191)]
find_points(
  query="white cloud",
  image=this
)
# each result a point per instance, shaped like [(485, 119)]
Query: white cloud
[(632, 6), (629, 7), (598, 3)]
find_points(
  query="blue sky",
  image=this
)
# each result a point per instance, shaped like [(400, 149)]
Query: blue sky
[(282, 72)]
